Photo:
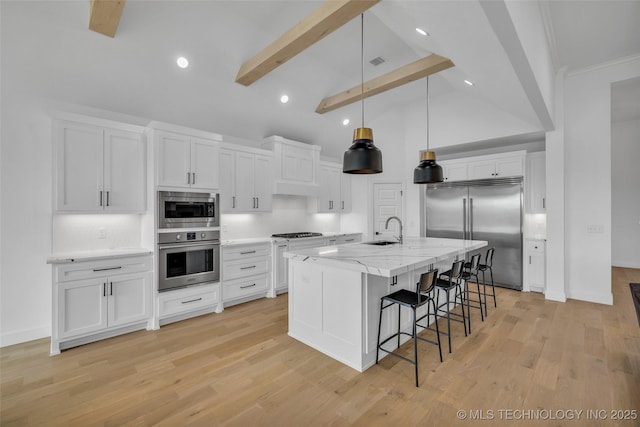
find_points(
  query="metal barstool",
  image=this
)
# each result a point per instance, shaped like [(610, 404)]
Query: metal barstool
[(469, 271), (412, 300), (488, 265), (451, 283)]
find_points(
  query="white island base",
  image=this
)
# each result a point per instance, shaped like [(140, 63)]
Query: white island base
[(334, 292)]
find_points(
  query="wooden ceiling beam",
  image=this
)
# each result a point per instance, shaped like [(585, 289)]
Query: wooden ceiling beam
[(314, 27), (416, 70), (105, 16)]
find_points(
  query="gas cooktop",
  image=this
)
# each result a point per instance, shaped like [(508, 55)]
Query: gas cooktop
[(297, 235)]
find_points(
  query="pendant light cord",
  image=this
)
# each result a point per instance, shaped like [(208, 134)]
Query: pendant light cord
[(362, 66), (428, 113)]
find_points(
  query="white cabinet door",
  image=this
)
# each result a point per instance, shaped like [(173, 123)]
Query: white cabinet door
[(244, 179), (262, 183), (281, 268), (509, 166), (129, 298), (124, 172), (204, 164), (227, 181), (174, 160), (82, 307), (536, 183), (455, 172), (535, 268), (482, 169), (329, 199), (345, 192), (79, 167)]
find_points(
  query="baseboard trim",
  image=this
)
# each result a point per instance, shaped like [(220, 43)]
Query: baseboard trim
[(555, 296), (606, 298), (18, 337)]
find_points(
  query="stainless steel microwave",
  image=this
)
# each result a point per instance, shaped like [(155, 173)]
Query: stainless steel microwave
[(188, 210)]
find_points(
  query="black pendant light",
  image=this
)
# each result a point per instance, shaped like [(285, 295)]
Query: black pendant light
[(428, 171), (362, 156)]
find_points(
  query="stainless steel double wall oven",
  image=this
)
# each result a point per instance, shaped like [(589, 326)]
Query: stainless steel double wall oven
[(190, 251)]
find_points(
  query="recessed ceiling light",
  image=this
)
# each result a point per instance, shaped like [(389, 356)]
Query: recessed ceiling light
[(468, 82), (345, 122), (284, 99), (422, 32), (182, 62)]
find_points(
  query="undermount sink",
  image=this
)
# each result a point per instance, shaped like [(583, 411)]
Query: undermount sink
[(380, 243)]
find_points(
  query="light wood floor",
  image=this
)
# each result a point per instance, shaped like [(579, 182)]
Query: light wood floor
[(241, 368)]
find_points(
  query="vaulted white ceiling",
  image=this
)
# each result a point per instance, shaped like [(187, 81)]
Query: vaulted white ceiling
[(47, 48)]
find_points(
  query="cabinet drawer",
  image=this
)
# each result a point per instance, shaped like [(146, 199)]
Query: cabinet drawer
[(244, 252), (245, 267), (535, 246), (245, 287), (189, 299), (101, 268)]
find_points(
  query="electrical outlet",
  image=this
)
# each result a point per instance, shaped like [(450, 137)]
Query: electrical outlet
[(595, 228), (102, 233)]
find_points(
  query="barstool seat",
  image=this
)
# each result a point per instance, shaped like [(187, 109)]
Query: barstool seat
[(451, 283), (412, 300)]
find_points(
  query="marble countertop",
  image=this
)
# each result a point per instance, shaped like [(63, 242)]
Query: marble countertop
[(67, 257), (251, 240), (390, 260)]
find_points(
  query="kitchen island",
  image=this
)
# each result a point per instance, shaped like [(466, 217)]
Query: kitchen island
[(335, 291)]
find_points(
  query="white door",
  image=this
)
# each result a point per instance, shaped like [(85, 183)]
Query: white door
[(124, 172), (482, 169), (79, 151), (227, 181), (82, 307), (174, 160), (129, 298), (263, 183), (204, 164), (387, 202), (345, 192), (245, 197)]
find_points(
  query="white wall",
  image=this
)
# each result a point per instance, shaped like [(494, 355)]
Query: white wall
[(25, 278), (625, 195), (587, 140)]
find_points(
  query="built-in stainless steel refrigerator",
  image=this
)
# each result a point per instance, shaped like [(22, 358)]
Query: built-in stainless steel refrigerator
[(488, 210)]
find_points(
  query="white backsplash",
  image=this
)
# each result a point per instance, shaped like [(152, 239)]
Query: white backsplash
[(95, 232), (289, 214)]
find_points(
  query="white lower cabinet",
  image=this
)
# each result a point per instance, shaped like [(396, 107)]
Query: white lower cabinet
[(280, 277), (110, 299), (535, 252), (246, 272), (188, 302)]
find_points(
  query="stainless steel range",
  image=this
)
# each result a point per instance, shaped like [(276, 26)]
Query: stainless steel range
[(297, 235), (188, 258)]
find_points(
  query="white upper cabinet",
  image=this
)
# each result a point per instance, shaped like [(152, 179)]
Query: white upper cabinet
[(99, 167), (497, 167), (536, 183), (187, 161), (345, 192), (246, 180), (484, 167), (296, 166), (455, 171), (335, 190)]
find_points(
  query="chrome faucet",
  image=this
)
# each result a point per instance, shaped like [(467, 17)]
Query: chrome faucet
[(386, 226)]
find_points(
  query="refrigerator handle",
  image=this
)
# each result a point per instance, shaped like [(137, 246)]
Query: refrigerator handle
[(470, 218), (464, 219)]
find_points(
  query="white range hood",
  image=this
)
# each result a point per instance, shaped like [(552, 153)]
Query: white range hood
[(296, 166)]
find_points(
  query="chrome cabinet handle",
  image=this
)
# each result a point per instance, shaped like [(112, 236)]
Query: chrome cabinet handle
[(194, 177), (470, 218), (188, 178), (350, 240), (282, 246), (343, 204), (233, 202), (110, 288), (247, 268), (100, 197), (108, 268), (104, 289), (107, 198), (257, 202), (544, 203), (249, 286), (190, 301), (248, 252)]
